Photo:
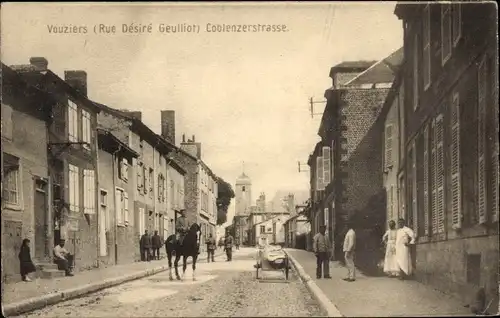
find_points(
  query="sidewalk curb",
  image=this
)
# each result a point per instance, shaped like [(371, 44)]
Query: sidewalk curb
[(36, 303), (325, 303)]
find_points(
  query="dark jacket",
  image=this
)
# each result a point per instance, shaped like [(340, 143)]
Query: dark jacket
[(229, 241), (211, 245), (25, 262), (156, 241), (146, 241)]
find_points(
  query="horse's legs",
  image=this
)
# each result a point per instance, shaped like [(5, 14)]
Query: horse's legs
[(184, 264), (176, 264), (195, 257), (169, 257)]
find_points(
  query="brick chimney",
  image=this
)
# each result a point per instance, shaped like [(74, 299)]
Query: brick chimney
[(168, 125), (77, 79), (40, 63), (136, 115), (192, 147)]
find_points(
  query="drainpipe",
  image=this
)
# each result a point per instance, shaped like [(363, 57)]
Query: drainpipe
[(97, 196), (154, 192), (113, 165)]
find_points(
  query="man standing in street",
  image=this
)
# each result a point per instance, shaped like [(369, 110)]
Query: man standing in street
[(404, 238), (156, 242), (211, 246), (349, 248), (228, 244), (146, 245), (181, 226), (321, 249)]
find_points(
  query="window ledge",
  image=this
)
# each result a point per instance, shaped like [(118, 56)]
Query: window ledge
[(13, 207), (121, 225)]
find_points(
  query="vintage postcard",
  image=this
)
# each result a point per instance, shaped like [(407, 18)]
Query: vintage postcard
[(249, 159)]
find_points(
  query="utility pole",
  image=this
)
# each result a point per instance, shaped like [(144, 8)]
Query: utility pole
[(300, 164), (312, 102)]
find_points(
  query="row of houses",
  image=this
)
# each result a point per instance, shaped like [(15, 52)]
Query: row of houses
[(96, 176), (415, 136)]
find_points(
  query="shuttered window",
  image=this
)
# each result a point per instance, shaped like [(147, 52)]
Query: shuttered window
[(433, 179), (426, 37), (456, 9), (125, 207), (332, 161), (426, 181), (481, 142), (456, 189), (439, 129), (445, 32), (414, 187), (326, 166), (495, 147), (319, 173), (119, 206), (74, 189), (72, 122), (388, 146), (89, 192), (415, 72)]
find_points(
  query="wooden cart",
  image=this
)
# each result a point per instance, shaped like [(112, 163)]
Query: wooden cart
[(264, 265)]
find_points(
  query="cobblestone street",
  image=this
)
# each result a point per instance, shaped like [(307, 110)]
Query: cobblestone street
[(222, 289)]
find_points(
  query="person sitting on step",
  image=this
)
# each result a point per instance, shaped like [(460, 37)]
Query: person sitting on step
[(63, 258)]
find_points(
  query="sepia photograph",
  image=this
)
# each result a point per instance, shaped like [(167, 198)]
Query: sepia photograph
[(250, 159)]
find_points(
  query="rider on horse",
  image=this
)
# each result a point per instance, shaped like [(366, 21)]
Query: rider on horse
[(181, 227)]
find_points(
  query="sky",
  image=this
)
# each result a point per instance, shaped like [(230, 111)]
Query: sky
[(245, 96)]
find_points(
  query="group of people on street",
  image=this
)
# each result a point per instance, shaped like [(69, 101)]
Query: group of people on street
[(61, 257), (149, 249), (150, 246), (397, 261)]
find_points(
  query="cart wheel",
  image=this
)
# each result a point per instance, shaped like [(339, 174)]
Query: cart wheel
[(287, 266)]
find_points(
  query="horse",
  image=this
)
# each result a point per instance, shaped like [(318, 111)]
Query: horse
[(190, 247)]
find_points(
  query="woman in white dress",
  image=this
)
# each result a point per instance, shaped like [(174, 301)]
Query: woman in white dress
[(391, 267)]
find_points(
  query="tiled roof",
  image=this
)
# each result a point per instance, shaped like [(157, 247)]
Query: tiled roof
[(355, 64), (381, 72)]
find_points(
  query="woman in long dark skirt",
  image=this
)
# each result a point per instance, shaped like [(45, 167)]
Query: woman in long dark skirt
[(25, 262)]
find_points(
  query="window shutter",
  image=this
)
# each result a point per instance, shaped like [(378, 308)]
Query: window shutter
[(93, 192), (139, 177), (495, 153), (426, 181), (388, 146), (125, 207), (456, 190), (414, 188), (118, 206), (416, 66), (326, 165), (159, 188), (391, 198), (434, 209), (440, 174), (125, 169), (144, 179), (85, 192), (481, 142), (319, 173), (427, 46), (332, 164)]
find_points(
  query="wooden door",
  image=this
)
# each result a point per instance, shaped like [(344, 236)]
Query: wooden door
[(41, 226)]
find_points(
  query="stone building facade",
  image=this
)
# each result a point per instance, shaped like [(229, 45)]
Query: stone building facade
[(26, 211), (451, 139)]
